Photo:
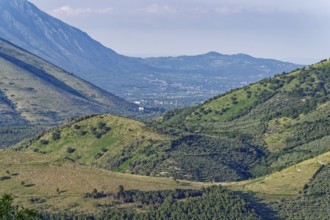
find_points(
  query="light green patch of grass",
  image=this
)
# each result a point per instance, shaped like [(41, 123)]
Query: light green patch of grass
[(88, 148), (43, 174), (289, 181), (126, 164), (228, 105), (277, 133)]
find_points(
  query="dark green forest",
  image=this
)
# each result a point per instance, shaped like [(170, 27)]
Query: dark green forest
[(207, 203)]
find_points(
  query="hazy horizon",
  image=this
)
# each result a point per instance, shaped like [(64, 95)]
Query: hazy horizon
[(292, 31)]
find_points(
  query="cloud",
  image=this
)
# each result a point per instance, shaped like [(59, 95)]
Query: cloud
[(198, 10), (227, 10), (160, 9), (69, 11)]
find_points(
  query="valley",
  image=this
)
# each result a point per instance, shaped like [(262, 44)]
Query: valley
[(88, 133), (251, 153), (157, 82), (263, 147)]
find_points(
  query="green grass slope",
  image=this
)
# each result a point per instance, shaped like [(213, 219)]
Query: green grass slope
[(246, 133), (127, 145), (56, 185), (292, 180), (280, 136), (34, 179), (112, 142), (38, 92), (300, 191), (285, 119), (312, 204)]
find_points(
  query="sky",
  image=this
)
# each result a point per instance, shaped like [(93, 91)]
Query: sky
[(290, 30)]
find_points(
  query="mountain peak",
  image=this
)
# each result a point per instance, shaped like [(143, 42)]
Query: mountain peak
[(213, 53)]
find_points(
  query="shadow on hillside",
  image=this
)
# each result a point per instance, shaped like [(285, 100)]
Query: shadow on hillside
[(261, 208)]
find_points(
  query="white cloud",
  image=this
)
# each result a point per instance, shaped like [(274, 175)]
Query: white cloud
[(198, 10), (69, 11), (104, 11), (160, 9), (227, 10)]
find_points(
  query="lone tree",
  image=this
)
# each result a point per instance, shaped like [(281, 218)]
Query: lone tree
[(121, 193), (8, 211)]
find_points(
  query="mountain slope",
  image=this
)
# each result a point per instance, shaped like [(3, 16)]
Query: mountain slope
[(289, 181), (275, 130), (63, 45), (50, 183), (313, 204), (72, 178), (130, 146), (245, 133), (285, 117), (167, 81), (37, 92), (105, 140)]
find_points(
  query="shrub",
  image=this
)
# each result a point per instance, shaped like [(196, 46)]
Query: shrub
[(44, 142), (98, 155), (82, 133), (77, 127), (56, 135), (98, 135), (101, 124), (70, 150)]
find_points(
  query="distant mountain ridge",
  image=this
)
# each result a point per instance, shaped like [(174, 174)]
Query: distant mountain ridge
[(33, 91), (221, 65), (163, 79)]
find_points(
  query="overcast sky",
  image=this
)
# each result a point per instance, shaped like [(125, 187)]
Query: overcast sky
[(290, 30)]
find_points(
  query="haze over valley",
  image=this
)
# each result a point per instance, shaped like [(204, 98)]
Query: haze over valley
[(163, 82)]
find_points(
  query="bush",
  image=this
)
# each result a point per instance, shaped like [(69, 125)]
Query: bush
[(77, 127), (70, 150), (56, 135), (82, 133), (98, 135), (98, 155), (44, 142), (101, 124)]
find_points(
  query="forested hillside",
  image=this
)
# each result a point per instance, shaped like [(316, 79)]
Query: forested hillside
[(208, 203), (273, 135), (285, 119), (245, 133)]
